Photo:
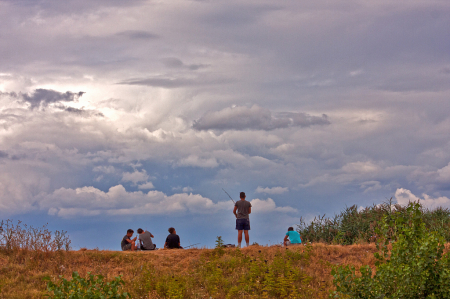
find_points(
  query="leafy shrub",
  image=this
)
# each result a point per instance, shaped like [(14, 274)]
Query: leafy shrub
[(414, 268), (354, 224), (92, 287)]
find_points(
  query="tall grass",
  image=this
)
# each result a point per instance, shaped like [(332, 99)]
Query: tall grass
[(21, 236), (355, 225)]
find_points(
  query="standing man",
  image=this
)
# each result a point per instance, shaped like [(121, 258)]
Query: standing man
[(243, 208)]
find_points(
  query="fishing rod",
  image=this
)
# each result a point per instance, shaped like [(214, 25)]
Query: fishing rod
[(191, 245), (228, 195)]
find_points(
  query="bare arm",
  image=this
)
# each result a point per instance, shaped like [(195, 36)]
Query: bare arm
[(152, 236), (132, 240), (234, 211), (250, 210), (286, 238)]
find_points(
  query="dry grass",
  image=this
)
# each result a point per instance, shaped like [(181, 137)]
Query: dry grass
[(21, 272)]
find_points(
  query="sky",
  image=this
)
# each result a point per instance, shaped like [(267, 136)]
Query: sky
[(135, 114)]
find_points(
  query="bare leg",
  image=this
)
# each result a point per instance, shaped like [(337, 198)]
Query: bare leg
[(239, 236), (247, 238), (133, 246)]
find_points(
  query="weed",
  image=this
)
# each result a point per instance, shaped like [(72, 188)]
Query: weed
[(93, 287), (415, 267)]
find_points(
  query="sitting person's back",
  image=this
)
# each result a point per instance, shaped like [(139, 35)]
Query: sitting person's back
[(172, 240), (145, 239)]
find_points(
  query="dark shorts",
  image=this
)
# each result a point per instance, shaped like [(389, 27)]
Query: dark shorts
[(126, 247), (242, 224)]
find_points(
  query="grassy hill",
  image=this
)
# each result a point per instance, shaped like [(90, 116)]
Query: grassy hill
[(253, 272)]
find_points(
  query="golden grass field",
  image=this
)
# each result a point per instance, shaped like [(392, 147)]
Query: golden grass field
[(148, 273)]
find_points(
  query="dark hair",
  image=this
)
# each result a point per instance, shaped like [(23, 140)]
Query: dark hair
[(290, 228), (130, 231), (242, 195), (140, 230), (171, 230)]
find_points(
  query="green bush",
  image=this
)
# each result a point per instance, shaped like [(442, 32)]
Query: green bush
[(415, 267), (354, 224), (92, 287)]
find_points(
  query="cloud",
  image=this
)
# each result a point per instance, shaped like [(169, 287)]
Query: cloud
[(135, 177), (170, 82), (90, 201), (187, 189), (138, 34), (255, 118), (273, 190), (197, 161), (43, 97), (148, 185), (172, 62), (268, 205), (404, 196)]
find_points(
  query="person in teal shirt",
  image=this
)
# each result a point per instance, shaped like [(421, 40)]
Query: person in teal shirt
[(292, 237)]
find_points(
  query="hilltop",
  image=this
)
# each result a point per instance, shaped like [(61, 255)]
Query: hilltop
[(194, 273)]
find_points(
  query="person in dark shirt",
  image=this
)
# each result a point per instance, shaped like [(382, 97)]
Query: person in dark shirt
[(128, 243), (172, 240)]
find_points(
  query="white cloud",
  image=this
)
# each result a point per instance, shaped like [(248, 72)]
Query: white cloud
[(273, 190), (88, 201), (187, 189), (148, 185), (404, 196), (268, 205), (135, 177), (196, 161)]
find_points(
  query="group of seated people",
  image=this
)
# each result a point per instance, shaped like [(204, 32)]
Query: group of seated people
[(145, 240), (173, 240)]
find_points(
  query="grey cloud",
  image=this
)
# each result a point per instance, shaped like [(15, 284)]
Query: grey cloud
[(445, 70), (3, 154), (172, 62), (138, 34), (173, 82), (46, 96), (255, 118)]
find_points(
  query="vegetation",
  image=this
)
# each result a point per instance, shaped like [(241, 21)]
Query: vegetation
[(20, 236), (415, 267), (92, 287), (232, 275), (255, 271), (407, 260), (354, 225)]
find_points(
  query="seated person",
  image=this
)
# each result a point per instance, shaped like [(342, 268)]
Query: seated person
[(145, 239), (292, 237), (172, 240), (127, 243)]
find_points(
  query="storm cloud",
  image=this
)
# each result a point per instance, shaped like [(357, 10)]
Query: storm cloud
[(305, 106), (256, 118), (43, 97)]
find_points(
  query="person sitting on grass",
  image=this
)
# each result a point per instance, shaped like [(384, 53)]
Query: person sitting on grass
[(145, 239), (292, 237), (127, 243), (172, 240)]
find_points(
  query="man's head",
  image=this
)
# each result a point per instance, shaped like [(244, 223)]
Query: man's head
[(171, 230), (242, 195), (130, 232), (140, 231), (290, 229)]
